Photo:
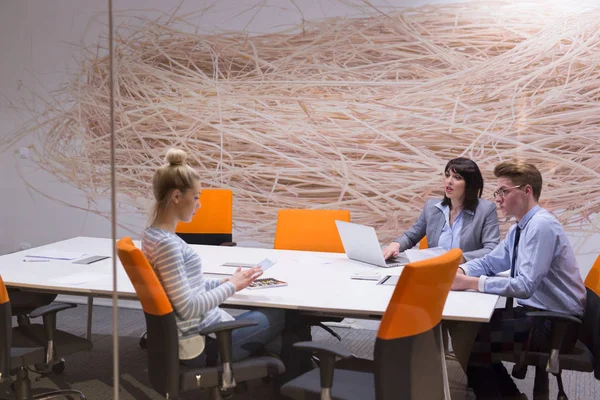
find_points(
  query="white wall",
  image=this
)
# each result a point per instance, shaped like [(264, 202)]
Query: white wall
[(34, 39), (38, 45)]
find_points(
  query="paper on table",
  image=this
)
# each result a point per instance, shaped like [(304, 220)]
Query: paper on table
[(311, 259), (419, 255), (79, 279), (52, 254)]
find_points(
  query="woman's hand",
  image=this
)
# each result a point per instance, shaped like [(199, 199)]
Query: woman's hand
[(391, 250), (241, 279)]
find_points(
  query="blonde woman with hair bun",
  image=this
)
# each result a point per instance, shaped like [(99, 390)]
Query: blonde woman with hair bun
[(196, 299)]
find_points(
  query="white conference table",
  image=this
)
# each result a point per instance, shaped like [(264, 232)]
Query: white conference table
[(318, 283)]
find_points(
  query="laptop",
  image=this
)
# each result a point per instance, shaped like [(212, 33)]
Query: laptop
[(361, 244)]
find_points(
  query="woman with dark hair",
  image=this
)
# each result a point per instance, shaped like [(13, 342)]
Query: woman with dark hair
[(460, 220)]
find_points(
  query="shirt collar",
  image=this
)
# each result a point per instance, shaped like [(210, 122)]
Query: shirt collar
[(523, 221), (445, 209)]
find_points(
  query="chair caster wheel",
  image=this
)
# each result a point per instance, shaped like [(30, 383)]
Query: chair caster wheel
[(59, 367)]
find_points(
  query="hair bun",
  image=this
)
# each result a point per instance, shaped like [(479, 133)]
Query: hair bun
[(176, 157)]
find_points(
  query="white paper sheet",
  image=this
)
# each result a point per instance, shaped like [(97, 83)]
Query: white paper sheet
[(311, 259), (81, 278), (52, 254)]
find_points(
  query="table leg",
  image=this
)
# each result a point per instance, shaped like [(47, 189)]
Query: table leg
[(443, 361), (90, 304)]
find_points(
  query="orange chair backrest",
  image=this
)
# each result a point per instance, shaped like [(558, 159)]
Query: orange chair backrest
[(147, 286), (214, 214), (309, 230), (423, 243), (592, 280), (3, 293), (419, 297)]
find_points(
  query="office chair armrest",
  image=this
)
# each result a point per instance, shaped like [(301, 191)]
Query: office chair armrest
[(223, 332), (227, 326), (559, 321), (334, 349), (327, 354), (554, 316), (50, 308), (231, 244), (48, 313)]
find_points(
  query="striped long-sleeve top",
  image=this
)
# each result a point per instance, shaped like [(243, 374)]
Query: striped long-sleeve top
[(195, 300)]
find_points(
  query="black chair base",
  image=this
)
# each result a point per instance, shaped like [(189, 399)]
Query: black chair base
[(22, 389)]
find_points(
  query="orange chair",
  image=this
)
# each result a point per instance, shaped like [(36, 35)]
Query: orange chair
[(309, 230), (213, 222), (423, 243), (166, 375), (592, 280), (408, 362)]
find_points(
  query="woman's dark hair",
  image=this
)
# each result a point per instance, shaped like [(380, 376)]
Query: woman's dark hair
[(469, 171)]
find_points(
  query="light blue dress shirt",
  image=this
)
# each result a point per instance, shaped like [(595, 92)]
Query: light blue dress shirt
[(450, 236), (546, 272)]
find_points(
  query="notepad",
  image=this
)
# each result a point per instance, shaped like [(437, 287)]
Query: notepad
[(366, 276), (389, 280), (265, 283)]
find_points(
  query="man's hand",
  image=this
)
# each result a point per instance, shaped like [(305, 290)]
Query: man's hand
[(391, 250), (464, 282)]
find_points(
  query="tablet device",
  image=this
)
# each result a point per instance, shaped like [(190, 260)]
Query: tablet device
[(89, 260), (264, 264)]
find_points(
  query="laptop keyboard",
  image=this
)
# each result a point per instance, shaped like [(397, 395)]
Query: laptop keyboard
[(400, 259)]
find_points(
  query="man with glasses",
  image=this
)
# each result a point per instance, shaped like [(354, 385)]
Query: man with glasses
[(543, 276)]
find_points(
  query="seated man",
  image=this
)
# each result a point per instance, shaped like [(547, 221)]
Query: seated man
[(543, 276)]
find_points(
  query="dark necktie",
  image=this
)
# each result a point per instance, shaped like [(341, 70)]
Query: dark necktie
[(514, 255), (509, 300)]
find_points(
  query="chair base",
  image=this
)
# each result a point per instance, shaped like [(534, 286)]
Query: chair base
[(59, 393), (22, 389)]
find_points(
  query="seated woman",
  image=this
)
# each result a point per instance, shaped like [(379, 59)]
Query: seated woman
[(196, 299), (460, 220)]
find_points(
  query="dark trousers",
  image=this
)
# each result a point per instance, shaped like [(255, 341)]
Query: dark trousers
[(507, 332)]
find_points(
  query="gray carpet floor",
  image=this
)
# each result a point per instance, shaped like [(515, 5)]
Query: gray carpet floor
[(91, 372)]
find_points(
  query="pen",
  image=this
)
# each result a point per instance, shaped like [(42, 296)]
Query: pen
[(36, 260)]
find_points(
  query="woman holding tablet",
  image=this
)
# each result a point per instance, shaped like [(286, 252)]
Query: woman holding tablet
[(196, 299)]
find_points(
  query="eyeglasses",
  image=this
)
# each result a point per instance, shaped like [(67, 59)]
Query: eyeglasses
[(504, 191)]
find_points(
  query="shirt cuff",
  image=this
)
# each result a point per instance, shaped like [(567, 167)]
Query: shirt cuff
[(481, 284)]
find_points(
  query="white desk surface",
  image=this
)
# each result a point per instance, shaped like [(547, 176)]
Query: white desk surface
[(317, 282)]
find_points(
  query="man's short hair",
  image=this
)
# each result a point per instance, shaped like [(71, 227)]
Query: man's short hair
[(521, 174)]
